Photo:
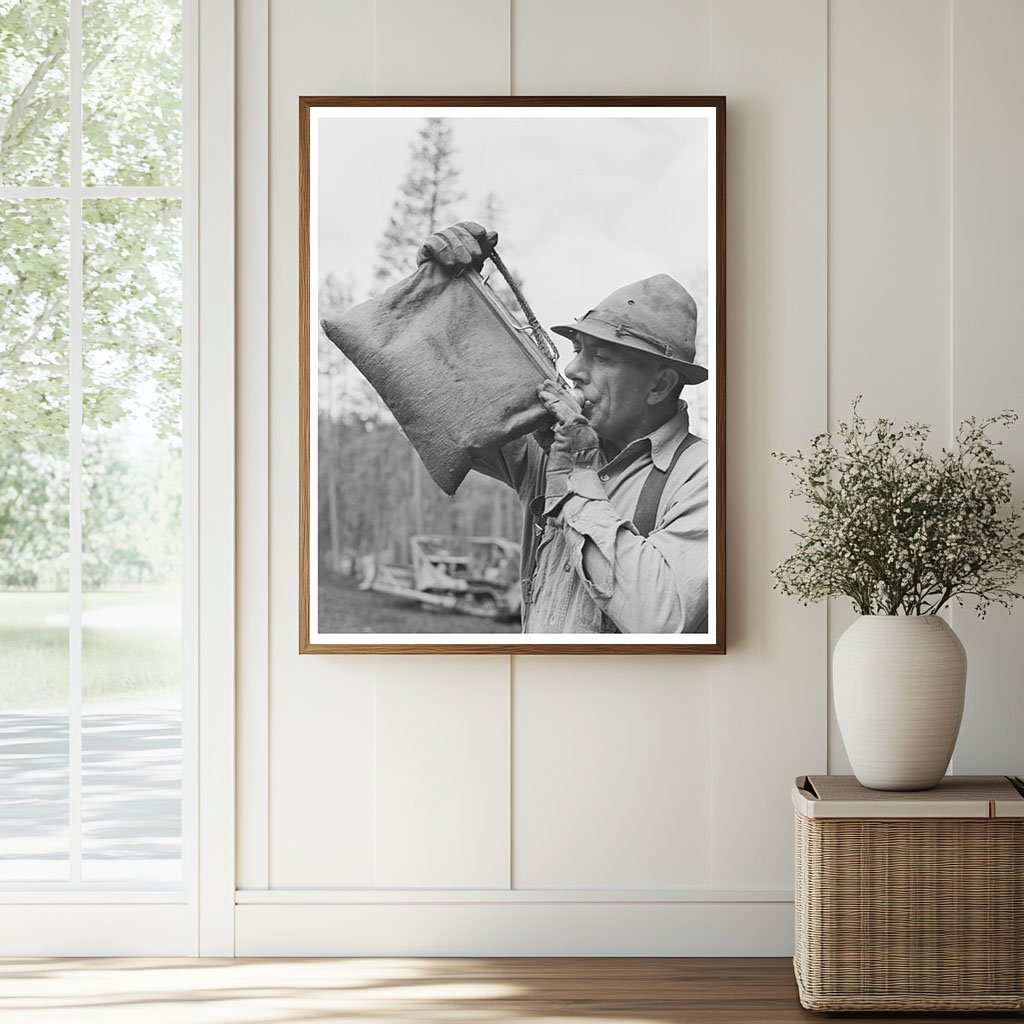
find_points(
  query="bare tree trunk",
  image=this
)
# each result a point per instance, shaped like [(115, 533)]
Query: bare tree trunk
[(334, 523), (417, 492), (497, 514)]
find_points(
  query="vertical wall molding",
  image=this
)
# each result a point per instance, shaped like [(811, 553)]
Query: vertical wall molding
[(216, 478), (952, 610), (769, 692), (253, 391)]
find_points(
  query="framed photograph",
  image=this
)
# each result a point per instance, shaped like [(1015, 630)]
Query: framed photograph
[(512, 375)]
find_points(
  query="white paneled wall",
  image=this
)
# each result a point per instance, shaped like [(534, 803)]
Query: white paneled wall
[(577, 47), (612, 774), (321, 814), (252, 466), (889, 212), (318, 752), (768, 693), (987, 354), (442, 48), (889, 245), (625, 805), (442, 799), (925, 209)]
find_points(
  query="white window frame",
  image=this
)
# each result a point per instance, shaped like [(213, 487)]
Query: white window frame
[(197, 918), (216, 393)]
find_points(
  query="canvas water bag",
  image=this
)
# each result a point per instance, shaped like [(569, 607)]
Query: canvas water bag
[(453, 365)]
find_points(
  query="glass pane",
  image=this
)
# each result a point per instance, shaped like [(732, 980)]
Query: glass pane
[(131, 541), (33, 540), (131, 92), (33, 92)]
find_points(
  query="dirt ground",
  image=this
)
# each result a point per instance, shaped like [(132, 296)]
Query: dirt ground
[(344, 608)]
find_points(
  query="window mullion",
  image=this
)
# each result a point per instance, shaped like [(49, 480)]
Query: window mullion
[(75, 303), (148, 864), (95, 191)]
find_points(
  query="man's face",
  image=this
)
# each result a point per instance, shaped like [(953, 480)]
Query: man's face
[(615, 381)]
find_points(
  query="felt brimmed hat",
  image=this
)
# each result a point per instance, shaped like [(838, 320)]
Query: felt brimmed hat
[(656, 315)]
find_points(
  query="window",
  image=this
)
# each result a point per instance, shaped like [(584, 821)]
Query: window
[(96, 464)]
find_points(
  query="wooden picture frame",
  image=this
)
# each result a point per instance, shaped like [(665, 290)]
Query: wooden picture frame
[(586, 176)]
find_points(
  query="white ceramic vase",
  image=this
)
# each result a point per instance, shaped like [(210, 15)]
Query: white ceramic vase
[(898, 683)]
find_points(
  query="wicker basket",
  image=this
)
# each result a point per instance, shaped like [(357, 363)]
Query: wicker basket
[(910, 901)]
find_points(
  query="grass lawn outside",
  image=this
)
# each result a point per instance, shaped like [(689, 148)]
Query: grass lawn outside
[(131, 647)]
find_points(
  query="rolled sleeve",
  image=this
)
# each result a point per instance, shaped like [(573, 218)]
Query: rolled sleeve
[(655, 584), (592, 523), (583, 483)]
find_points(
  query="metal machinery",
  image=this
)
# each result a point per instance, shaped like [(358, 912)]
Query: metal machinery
[(472, 575)]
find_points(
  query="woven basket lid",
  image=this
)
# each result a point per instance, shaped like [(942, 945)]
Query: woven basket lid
[(957, 796)]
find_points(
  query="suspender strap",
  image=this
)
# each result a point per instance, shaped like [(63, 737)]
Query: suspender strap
[(644, 518), (646, 514)]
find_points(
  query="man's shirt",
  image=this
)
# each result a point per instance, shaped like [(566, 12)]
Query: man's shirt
[(593, 572)]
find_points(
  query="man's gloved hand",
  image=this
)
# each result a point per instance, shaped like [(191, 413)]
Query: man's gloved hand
[(576, 444), (465, 244)]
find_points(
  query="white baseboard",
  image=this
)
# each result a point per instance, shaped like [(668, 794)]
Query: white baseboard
[(504, 928)]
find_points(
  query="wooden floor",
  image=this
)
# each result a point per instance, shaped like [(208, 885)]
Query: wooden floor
[(381, 991)]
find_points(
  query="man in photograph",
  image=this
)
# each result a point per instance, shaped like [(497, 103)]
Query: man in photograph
[(615, 494)]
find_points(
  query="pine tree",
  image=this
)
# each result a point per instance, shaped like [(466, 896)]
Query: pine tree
[(506, 515), (427, 199), (429, 196)]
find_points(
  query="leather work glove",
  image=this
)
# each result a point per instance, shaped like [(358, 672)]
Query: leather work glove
[(465, 244), (576, 444)]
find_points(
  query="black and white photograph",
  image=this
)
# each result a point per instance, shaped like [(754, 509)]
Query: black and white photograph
[(511, 387)]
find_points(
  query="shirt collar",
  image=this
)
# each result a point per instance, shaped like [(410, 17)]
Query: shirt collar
[(664, 440)]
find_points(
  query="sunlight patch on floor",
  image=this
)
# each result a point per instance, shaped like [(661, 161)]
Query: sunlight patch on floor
[(222, 991)]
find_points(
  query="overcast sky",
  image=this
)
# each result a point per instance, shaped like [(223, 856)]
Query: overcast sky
[(590, 204)]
